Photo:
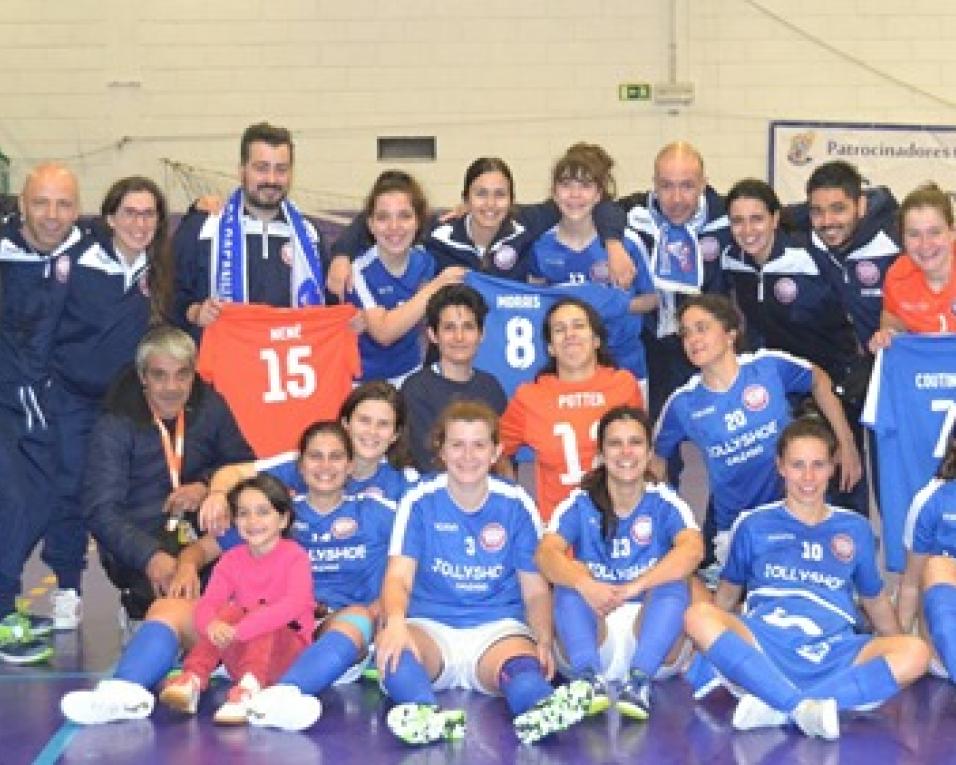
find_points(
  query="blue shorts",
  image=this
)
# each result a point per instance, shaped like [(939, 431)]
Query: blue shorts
[(804, 658)]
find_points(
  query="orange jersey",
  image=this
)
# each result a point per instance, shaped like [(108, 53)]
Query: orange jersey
[(559, 420), (280, 369), (907, 296)]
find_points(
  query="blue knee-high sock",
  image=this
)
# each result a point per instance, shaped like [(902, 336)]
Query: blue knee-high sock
[(149, 655), (745, 665), (662, 622), (322, 663), (409, 682), (871, 682), (576, 625), (939, 606), (522, 683)]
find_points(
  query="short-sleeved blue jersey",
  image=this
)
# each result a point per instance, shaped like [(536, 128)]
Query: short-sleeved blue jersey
[(911, 407), (375, 285), (736, 429), (639, 542), (513, 348), (467, 562), (931, 521), (803, 576), (348, 548), (556, 263)]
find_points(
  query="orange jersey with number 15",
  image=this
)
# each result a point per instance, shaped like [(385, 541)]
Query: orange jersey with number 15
[(559, 420), (280, 369)]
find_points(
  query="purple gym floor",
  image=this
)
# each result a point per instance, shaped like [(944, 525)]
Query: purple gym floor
[(912, 728), (916, 727)]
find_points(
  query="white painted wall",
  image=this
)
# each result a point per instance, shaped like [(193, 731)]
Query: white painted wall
[(113, 87)]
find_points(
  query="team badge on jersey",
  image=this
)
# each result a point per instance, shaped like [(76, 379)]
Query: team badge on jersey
[(493, 537), (867, 273), (286, 253), (785, 290), (756, 398), (62, 268), (505, 257), (642, 530), (709, 248), (600, 272), (343, 528), (144, 285), (843, 547)]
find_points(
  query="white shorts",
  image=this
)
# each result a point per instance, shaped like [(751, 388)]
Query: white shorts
[(462, 647), (619, 645)]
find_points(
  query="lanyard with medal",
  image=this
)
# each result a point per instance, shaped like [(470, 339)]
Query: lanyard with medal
[(173, 452)]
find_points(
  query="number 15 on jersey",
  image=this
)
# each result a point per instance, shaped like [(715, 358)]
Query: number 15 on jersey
[(289, 376)]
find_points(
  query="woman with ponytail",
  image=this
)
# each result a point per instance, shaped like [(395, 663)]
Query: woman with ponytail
[(623, 595)]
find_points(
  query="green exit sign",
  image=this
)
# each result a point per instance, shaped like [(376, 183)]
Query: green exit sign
[(634, 91)]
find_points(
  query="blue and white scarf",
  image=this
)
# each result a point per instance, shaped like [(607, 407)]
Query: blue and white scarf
[(676, 263), (229, 279)]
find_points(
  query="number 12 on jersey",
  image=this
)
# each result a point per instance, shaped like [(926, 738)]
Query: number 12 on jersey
[(289, 377)]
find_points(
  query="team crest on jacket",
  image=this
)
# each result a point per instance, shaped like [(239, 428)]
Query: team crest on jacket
[(505, 257), (785, 290), (843, 547), (709, 248), (493, 537), (286, 253), (867, 273), (62, 268), (642, 530), (756, 397), (343, 528)]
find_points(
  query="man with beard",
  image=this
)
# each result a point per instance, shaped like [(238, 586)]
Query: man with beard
[(855, 228), (258, 249)]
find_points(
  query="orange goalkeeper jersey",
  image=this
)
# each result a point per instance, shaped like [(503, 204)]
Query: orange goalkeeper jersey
[(280, 369), (559, 420)]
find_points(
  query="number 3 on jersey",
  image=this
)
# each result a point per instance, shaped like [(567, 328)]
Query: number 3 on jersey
[(292, 377)]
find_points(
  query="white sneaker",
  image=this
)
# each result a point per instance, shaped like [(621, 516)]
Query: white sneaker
[(284, 707), (111, 700), (752, 712), (235, 710), (818, 717), (67, 609)]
